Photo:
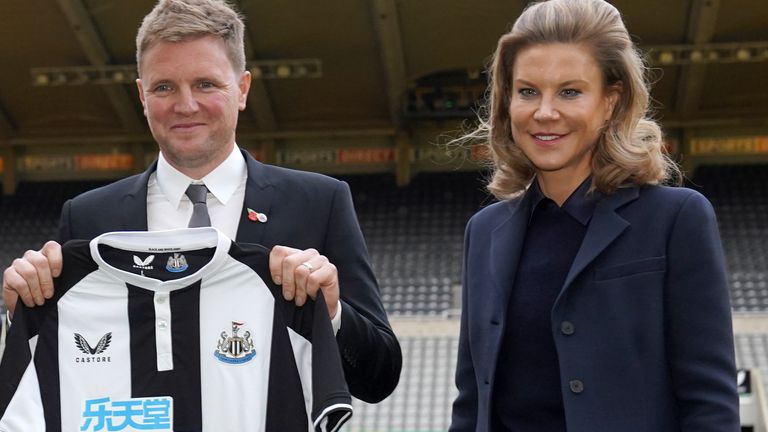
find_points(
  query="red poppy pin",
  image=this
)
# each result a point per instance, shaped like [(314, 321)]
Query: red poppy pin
[(255, 216)]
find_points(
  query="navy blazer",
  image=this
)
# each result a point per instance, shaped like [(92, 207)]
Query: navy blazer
[(642, 325), (304, 210)]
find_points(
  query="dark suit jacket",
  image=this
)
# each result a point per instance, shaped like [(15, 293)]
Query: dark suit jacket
[(642, 325), (305, 210)]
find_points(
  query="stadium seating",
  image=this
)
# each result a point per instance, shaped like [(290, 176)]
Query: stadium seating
[(422, 401), (740, 197), (415, 234), (30, 217)]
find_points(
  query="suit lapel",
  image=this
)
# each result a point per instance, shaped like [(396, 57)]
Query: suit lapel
[(606, 225), (506, 245), (133, 216), (259, 194)]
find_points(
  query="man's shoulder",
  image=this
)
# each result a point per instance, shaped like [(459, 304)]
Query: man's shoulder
[(112, 191), (278, 173), (292, 179)]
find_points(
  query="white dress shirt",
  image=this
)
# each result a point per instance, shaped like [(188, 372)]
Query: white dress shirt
[(168, 207)]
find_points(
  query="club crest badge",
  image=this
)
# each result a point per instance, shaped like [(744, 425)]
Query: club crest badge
[(177, 263), (235, 349)]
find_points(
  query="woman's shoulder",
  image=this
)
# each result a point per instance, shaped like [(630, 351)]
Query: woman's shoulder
[(679, 194), (674, 199), (496, 211)]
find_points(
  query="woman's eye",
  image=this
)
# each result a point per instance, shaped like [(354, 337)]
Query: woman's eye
[(569, 93)]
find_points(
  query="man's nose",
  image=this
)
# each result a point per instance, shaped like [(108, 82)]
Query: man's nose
[(185, 102)]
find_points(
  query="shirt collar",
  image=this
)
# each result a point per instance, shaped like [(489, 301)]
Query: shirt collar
[(580, 205), (222, 182)]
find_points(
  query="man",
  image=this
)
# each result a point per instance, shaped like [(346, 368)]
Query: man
[(192, 84)]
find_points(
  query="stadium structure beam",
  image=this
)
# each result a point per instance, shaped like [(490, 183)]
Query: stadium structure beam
[(388, 36), (6, 126), (718, 122), (389, 39), (701, 29), (259, 102), (84, 29), (248, 136), (260, 107), (8, 154)]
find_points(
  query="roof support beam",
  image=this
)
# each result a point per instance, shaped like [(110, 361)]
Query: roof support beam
[(90, 40), (261, 106), (6, 126), (8, 154), (258, 98), (388, 36), (311, 135), (701, 28)]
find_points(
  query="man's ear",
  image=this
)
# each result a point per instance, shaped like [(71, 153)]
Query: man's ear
[(140, 87), (244, 85)]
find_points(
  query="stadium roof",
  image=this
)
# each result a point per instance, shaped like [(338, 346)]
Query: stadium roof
[(358, 66)]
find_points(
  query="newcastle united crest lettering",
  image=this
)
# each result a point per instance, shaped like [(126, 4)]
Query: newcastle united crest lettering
[(235, 349)]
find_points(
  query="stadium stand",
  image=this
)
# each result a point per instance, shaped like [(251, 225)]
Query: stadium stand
[(415, 237), (31, 217), (422, 401), (740, 197)]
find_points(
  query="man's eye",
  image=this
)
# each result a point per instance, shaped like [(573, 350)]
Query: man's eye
[(162, 88), (206, 85)]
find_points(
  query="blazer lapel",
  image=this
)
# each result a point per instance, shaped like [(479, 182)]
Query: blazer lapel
[(259, 194), (506, 245), (605, 227), (133, 215)]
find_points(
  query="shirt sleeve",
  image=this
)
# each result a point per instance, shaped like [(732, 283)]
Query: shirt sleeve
[(335, 321), (21, 405), (331, 401)]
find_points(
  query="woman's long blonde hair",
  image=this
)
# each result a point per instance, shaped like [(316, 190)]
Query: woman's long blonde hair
[(630, 151)]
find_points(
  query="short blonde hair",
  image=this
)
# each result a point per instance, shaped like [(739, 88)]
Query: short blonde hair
[(630, 149), (180, 20)]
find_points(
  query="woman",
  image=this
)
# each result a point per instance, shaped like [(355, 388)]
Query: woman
[(594, 299)]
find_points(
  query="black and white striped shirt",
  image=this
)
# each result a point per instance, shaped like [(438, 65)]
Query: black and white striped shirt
[(171, 330)]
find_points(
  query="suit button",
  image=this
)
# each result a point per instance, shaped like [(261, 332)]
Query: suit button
[(576, 386), (494, 321), (567, 328)]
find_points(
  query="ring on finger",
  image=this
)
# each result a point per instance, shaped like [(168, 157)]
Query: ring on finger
[(308, 266)]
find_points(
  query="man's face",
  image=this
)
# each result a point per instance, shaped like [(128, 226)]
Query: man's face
[(191, 96)]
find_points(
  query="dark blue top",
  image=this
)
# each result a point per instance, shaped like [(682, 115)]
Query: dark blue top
[(527, 396)]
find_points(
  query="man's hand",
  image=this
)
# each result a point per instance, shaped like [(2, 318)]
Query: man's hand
[(302, 272), (31, 276)]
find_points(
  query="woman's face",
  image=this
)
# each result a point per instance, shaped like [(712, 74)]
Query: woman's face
[(558, 108)]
